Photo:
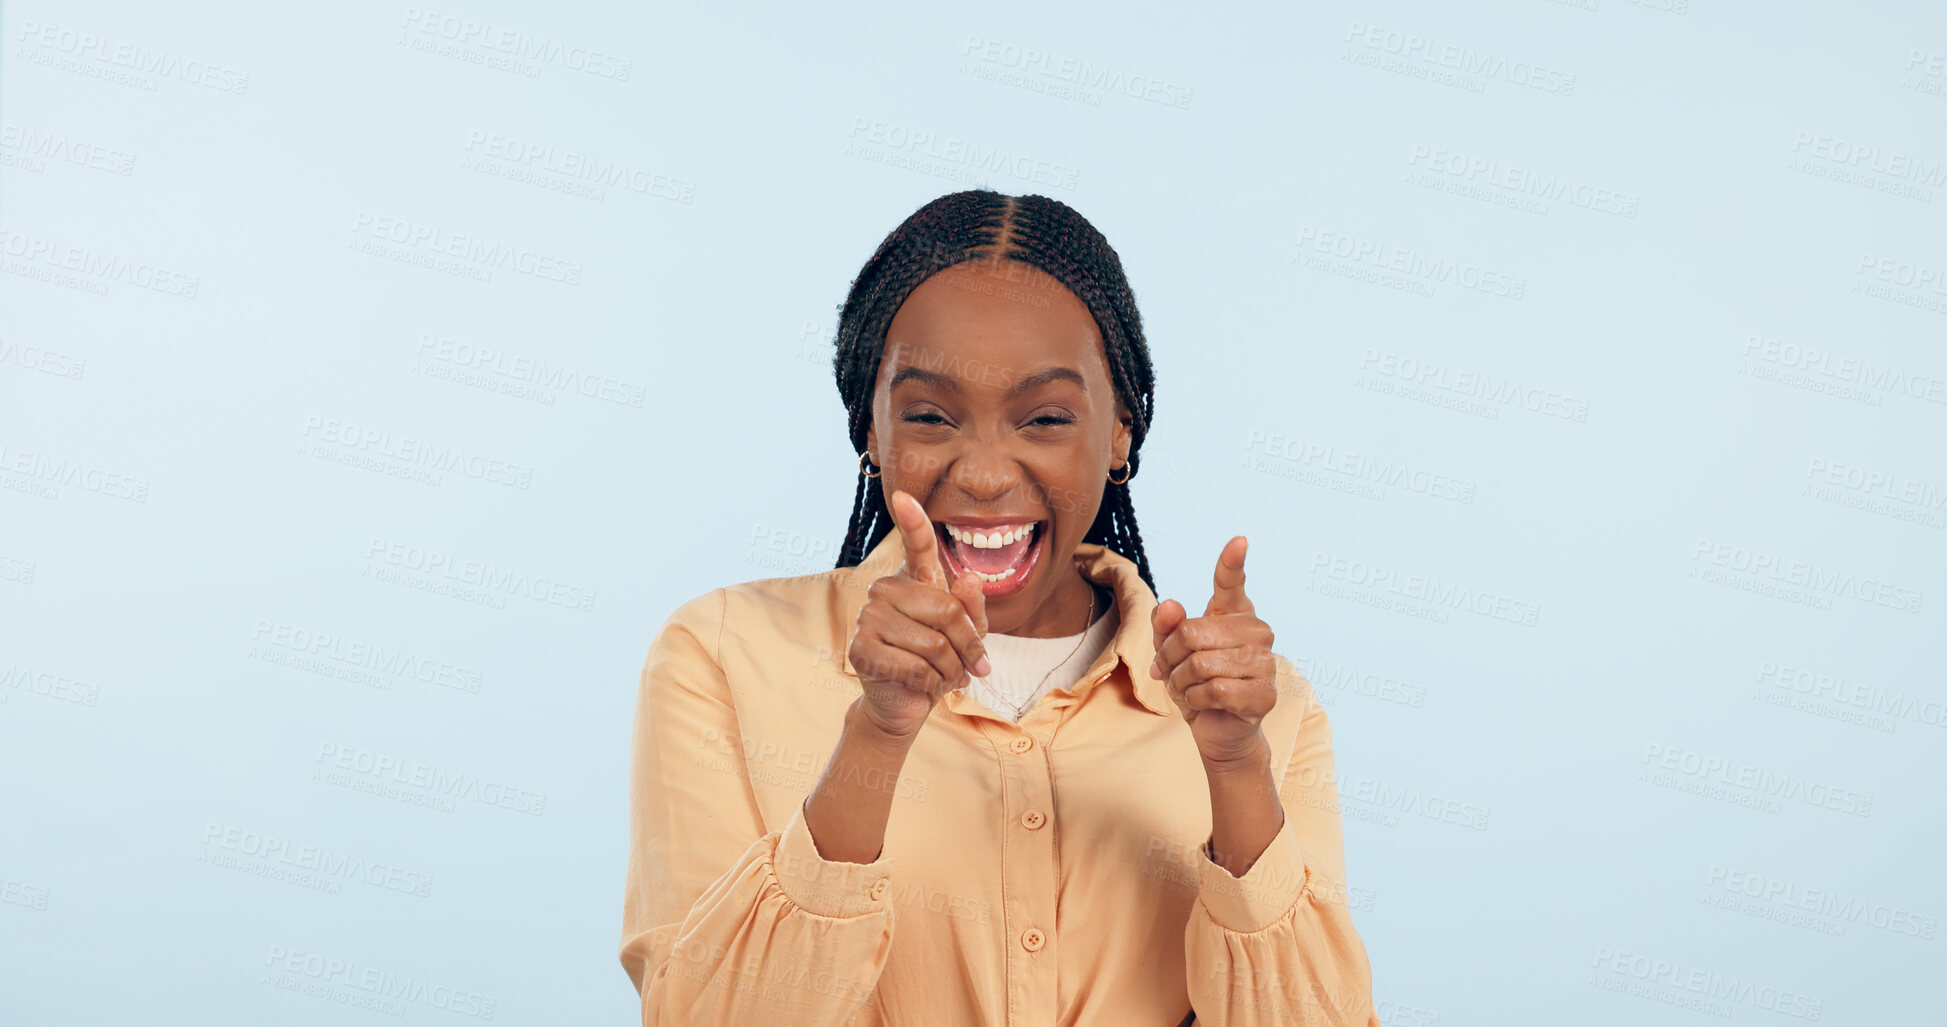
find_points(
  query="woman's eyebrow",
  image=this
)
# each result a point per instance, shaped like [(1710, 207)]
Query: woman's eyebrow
[(924, 377), (1043, 377), (952, 383)]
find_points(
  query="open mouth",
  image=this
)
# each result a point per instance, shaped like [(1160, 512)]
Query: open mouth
[(1003, 555)]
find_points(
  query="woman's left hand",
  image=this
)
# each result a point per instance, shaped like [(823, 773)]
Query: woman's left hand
[(1219, 666)]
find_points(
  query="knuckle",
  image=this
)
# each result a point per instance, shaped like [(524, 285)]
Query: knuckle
[(882, 665), (908, 670)]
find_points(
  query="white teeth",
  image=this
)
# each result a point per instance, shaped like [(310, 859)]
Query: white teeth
[(990, 540), (1002, 576)]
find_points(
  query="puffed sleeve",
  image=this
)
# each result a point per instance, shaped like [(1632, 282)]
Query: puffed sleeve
[(1277, 946), (724, 923)]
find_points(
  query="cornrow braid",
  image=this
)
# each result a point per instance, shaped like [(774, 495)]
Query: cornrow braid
[(982, 224)]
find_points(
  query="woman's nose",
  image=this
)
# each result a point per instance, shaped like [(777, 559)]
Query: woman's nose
[(985, 473)]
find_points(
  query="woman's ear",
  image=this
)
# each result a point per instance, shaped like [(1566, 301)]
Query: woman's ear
[(1125, 437), (872, 444)]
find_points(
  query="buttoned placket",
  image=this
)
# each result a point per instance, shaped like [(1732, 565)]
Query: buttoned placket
[(1028, 869), (1029, 829), (1030, 850)]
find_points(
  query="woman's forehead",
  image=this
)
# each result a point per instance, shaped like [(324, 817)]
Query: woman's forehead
[(973, 313)]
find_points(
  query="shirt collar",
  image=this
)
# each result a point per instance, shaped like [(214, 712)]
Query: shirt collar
[(1133, 645)]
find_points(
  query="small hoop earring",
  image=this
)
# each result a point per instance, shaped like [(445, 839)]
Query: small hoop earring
[(865, 460), (1127, 470)]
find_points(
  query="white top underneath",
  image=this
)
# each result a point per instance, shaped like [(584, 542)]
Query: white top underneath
[(1025, 669)]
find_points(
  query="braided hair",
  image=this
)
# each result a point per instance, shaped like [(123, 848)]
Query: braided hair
[(980, 224)]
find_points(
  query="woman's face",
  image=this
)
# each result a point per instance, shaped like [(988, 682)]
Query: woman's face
[(994, 408)]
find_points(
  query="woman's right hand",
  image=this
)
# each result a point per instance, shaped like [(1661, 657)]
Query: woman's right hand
[(918, 635)]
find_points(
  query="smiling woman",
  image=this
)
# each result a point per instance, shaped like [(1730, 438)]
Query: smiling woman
[(1077, 804)]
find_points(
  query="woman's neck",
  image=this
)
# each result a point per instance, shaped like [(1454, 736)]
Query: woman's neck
[(1073, 606)]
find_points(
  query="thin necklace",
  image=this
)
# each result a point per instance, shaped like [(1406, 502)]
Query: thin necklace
[(1035, 696)]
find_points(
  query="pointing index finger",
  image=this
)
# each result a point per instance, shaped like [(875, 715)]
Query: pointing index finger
[(1228, 583), (916, 531)]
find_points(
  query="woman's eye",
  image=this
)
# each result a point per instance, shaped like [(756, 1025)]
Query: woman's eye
[(1050, 420), (925, 418)]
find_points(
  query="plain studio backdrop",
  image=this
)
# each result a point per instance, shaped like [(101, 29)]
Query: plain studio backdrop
[(375, 378)]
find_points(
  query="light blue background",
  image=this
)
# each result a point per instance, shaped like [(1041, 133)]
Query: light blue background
[(145, 738)]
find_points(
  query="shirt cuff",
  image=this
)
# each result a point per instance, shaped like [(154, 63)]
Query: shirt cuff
[(826, 887), (1265, 893)]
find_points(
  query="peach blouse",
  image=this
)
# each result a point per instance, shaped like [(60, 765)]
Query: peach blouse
[(1046, 872)]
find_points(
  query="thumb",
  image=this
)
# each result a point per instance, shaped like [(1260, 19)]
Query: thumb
[(916, 536), (1165, 618), (1228, 595), (967, 589)]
